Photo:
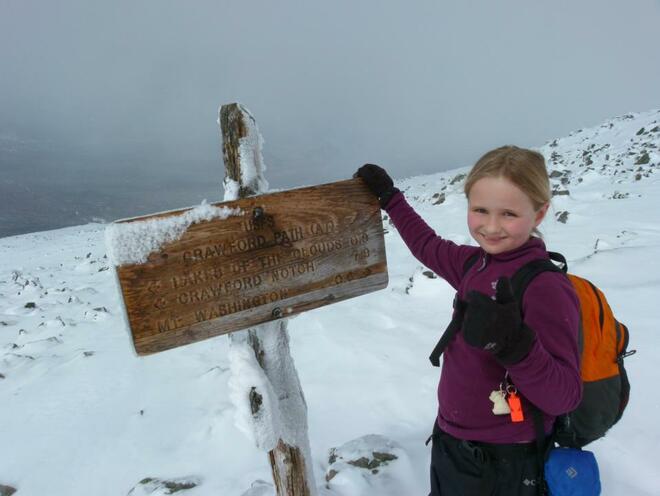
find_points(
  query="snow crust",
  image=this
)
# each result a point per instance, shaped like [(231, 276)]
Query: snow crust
[(232, 189), (392, 475), (281, 415), (133, 242), (251, 158), (265, 428), (250, 152)]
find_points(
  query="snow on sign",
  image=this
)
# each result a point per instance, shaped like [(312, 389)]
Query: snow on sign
[(188, 275)]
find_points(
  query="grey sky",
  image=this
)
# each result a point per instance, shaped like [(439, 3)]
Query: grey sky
[(129, 90)]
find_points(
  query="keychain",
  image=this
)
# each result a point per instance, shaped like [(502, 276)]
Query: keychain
[(500, 405), (506, 401)]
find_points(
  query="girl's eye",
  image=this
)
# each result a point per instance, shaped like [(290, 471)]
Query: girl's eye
[(510, 214), (479, 210)]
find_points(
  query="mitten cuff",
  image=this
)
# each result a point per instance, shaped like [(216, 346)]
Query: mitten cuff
[(387, 196)]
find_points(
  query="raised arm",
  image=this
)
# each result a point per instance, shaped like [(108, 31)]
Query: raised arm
[(443, 257)]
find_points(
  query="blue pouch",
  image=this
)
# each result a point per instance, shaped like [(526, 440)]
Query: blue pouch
[(572, 472)]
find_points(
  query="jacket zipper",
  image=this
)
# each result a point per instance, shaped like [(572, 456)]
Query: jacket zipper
[(483, 263)]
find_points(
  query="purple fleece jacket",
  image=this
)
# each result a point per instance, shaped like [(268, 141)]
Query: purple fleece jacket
[(548, 376)]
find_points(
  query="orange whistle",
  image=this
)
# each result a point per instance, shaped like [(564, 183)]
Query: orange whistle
[(516, 408)]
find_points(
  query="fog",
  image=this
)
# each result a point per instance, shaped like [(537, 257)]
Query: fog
[(109, 109)]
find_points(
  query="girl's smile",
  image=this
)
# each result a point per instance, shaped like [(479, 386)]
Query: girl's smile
[(501, 217)]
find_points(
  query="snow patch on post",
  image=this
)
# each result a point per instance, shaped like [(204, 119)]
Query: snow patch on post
[(249, 151), (232, 189), (280, 367), (248, 158), (133, 242), (263, 425)]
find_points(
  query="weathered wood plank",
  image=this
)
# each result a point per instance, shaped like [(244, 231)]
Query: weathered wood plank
[(285, 253)]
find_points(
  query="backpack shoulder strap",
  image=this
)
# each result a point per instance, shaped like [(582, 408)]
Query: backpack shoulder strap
[(472, 259), (525, 274), (519, 282), (457, 318), (559, 258), (452, 330)]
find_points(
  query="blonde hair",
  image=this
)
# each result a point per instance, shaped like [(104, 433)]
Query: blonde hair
[(524, 168)]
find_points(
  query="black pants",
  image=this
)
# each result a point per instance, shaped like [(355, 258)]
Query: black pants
[(465, 468)]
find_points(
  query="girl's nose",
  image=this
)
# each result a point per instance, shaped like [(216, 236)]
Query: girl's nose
[(492, 225)]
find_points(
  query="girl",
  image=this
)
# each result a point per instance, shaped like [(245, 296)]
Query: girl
[(505, 349)]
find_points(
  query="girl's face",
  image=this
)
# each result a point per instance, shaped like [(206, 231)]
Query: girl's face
[(501, 216)]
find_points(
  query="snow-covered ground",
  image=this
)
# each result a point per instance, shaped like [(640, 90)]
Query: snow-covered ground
[(81, 414)]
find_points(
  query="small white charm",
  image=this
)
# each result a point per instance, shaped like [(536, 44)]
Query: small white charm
[(500, 405)]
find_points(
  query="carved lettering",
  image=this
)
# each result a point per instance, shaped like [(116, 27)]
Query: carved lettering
[(342, 278), (246, 244), (201, 254), (325, 247), (359, 239), (154, 287), (169, 324), (238, 305), (287, 237), (251, 225), (229, 248), (361, 255), (316, 249), (160, 303), (197, 277), (269, 261), (293, 270), (240, 266), (248, 225), (318, 228), (216, 291)]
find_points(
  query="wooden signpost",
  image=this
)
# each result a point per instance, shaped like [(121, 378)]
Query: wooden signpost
[(284, 253)]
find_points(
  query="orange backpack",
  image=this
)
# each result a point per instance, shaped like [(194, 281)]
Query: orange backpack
[(603, 344)]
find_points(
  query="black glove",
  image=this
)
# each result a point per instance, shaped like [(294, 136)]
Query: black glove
[(378, 181), (496, 325)]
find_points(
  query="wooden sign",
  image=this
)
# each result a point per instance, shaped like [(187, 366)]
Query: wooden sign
[(274, 256)]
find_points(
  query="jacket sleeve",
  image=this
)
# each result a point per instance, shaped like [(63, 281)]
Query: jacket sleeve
[(549, 376), (443, 257)]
